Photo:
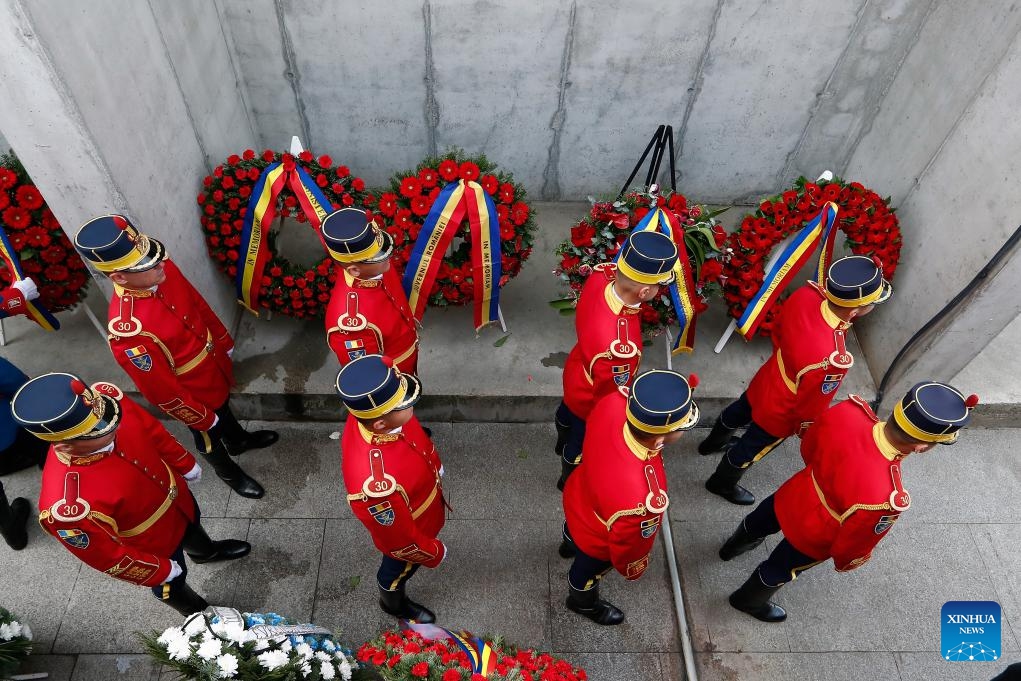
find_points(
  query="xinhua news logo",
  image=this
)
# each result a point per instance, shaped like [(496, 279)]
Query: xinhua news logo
[(970, 631)]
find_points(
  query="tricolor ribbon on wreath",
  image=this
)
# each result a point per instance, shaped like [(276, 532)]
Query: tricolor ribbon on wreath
[(458, 200), (782, 268), (480, 655), (262, 208), (682, 288), (34, 311)]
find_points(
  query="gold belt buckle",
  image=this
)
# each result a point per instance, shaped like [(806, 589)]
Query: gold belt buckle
[(210, 346)]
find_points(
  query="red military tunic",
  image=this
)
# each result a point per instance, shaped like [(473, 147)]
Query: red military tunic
[(808, 364), (174, 348), (850, 492), (615, 500), (609, 345), (372, 317), (122, 512), (393, 486)]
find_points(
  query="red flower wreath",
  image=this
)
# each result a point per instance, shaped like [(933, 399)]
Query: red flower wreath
[(600, 234), (412, 193), (288, 288), (401, 655), (45, 251), (870, 225)]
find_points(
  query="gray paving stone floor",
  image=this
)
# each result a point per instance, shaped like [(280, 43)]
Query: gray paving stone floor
[(313, 561)]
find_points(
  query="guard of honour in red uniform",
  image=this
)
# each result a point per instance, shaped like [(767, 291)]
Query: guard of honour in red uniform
[(115, 485)]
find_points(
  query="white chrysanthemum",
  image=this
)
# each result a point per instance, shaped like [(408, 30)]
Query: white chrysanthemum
[(286, 646), (303, 650), (273, 659), (344, 667), (228, 666), (6, 632), (327, 671), (306, 669), (179, 648), (210, 649), (237, 633), (323, 657), (15, 628), (195, 624), (170, 635), (261, 644)]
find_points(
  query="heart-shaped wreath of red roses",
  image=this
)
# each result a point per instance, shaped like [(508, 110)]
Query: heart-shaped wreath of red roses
[(46, 254), (865, 218), (288, 288), (412, 192), (600, 234)]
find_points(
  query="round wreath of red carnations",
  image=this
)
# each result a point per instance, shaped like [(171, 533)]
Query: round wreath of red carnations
[(46, 254), (411, 194), (865, 218), (405, 655), (600, 234), (289, 288)]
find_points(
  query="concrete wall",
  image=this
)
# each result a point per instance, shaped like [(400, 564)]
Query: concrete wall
[(945, 145), (123, 106)]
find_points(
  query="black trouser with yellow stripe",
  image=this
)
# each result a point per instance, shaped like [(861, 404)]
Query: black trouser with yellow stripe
[(785, 563), (585, 571), (227, 428), (164, 590), (755, 443), (393, 573)]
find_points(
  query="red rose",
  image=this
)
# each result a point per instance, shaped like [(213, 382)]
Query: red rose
[(28, 197), (428, 178), (410, 187), (449, 170), (581, 235), (388, 204), (358, 184), (17, 218), (420, 205), (469, 171)]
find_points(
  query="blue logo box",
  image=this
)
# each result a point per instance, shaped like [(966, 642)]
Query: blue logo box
[(970, 631)]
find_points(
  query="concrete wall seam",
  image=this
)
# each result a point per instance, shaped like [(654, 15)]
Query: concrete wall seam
[(551, 174), (824, 92), (870, 116), (292, 74), (432, 107), (239, 82), (695, 88)]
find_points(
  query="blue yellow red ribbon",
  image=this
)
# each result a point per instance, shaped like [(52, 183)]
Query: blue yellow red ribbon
[(456, 201), (682, 288), (262, 208), (34, 311), (789, 263), (480, 654)]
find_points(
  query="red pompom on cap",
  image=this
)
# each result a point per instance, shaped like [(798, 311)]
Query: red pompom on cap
[(692, 381), (77, 387), (388, 361), (971, 401), (121, 223), (877, 261)]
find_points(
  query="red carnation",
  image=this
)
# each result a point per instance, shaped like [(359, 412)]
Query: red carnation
[(347, 200), (410, 187), (269, 155), (306, 156), (325, 161), (420, 205), (233, 160), (253, 174), (28, 197), (16, 218), (7, 178), (245, 191), (4, 200), (248, 154), (428, 178), (228, 182), (358, 184), (451, 675), (321, 180), (449, 170), (343, 171), (469, 171)]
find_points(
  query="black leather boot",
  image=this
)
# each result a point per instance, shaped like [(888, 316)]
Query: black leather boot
[(398, 604), (717, 438), (753, 598), (12, 521), (184, 600), (254, 440), (739, 542), (724, 483), (588, 604), (227, 470), (565, 472), (563, 434), (201, 549)]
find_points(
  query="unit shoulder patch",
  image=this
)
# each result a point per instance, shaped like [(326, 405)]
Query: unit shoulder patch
[(74, 538)]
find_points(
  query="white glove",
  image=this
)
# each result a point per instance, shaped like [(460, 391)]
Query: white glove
[(195, 474), (175, 571), (441, 470), (230, 352), (27, 288), (216, 419), (445, 552)]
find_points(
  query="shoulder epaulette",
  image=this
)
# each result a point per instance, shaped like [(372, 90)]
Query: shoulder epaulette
[(657, 500), (125, 324), (622, 347), (608, 269), (351, 320), (900, 500), (860, 401), (379, 483)]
